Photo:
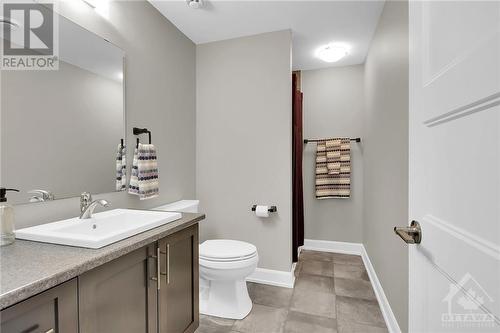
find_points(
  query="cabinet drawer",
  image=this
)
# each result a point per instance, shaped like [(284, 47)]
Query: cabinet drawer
[(53, 311)]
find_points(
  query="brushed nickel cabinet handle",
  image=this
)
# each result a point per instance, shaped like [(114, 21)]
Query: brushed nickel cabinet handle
[(31, 329), (411, 234), (153, 278), (35, 327), (158, 264), (168, 263)]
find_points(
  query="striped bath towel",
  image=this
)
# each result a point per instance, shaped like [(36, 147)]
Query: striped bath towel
[(121, 168), (144, 175), (333, 168)]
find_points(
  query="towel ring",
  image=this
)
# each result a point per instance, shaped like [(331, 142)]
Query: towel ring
[(139, 131)]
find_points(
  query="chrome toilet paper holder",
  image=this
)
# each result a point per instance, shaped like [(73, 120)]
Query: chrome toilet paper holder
[(272, 209)]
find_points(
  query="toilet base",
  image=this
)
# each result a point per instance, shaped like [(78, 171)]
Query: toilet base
[(225, 298)]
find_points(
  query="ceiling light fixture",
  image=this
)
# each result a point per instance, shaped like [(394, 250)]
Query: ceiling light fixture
[(332, 52), (195, 4)]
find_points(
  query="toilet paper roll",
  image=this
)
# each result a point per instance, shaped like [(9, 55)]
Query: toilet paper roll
[(262, 211)]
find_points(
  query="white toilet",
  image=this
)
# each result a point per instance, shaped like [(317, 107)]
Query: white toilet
[(224, 266)]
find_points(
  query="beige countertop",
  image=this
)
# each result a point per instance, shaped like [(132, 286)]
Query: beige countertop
[(28, 268)]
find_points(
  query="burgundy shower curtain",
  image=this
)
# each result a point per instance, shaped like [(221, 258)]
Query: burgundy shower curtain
[(297, 143)]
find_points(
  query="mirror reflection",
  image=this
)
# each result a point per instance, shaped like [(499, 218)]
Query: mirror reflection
[(60, 129)]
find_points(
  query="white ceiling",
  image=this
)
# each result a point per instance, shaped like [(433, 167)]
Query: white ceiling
[(313, 23)]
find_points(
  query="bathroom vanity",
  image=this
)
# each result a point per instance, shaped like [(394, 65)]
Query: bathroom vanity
[(144, 283), (120, 271)]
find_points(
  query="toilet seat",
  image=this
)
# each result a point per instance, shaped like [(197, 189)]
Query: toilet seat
[(228, 260), (226, 250)]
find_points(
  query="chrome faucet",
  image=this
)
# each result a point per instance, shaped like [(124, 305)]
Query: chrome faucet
[(88, 208), (41, 195), (85, 200)]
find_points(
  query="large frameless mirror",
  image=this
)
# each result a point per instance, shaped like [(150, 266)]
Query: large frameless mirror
[(60, 129)]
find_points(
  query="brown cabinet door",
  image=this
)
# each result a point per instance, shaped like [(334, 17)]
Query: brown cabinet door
[(178, 295), (53, 311), (120, 296)]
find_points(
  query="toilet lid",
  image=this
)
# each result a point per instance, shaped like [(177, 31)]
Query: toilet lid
[(226, 250)]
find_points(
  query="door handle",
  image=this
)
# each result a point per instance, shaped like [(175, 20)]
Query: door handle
[(411, 234)]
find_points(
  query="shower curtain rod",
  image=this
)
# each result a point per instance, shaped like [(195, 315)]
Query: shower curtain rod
[(317, 140)]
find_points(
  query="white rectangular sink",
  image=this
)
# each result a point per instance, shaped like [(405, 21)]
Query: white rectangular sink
[(100, 230)]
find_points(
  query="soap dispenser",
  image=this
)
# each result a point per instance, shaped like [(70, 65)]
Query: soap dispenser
[(6, 218)]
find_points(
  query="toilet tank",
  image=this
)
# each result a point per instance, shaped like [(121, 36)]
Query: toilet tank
[(182, 206)]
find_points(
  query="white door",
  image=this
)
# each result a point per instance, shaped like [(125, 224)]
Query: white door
[(455, 166)]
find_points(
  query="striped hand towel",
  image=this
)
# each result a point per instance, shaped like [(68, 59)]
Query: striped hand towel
[(338, 156), (144, 175), (333, 168), (121, 168)]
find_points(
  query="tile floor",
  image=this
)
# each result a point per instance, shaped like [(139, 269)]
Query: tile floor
[(332, 293)]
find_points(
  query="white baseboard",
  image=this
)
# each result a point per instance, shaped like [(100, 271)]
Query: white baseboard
[(385, 307), (359, 249), (273, 277), (331, 246)]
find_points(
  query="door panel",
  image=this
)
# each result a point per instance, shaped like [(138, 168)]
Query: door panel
[(455, 165), (458, 50), (54, 311), (178, 295), (119, 296)]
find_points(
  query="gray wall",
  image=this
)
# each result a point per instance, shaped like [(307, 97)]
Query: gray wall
[(60, 131), (160, 94), (333, 107), (243, 135), (386, 155)]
